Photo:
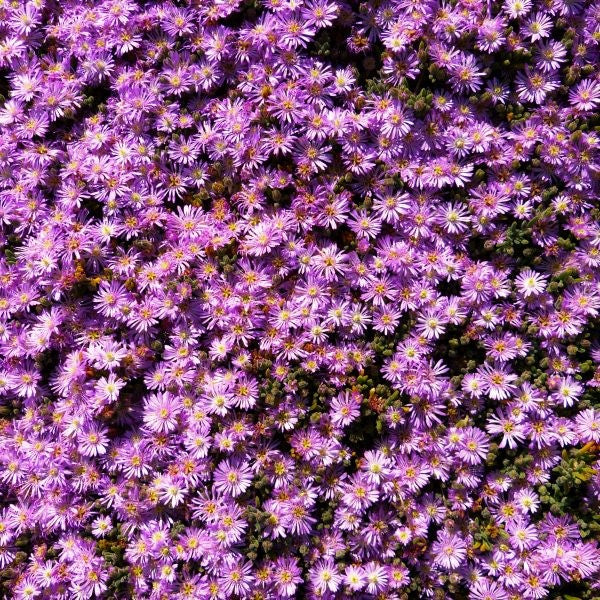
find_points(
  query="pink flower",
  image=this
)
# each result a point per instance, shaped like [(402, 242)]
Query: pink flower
[(161, 411), (107, 389), (325, 576), (498, 382), (92, 440), (474, 446), (232, 477), (587, 425), (586, 96), (286, 576), (530, 283), (449, 550)]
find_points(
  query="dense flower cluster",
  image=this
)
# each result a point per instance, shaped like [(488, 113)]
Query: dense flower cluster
[(299, 299)]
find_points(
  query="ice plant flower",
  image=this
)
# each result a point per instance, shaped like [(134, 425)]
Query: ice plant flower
[(299, 298)]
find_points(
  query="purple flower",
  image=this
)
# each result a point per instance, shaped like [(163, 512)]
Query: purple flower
[(232, 477), (325, 577), (283, 315), (449, 550)]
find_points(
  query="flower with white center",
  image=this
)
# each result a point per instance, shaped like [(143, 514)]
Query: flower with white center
[(530, 283)]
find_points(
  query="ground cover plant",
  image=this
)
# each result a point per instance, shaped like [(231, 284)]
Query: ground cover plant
[(299, 299)]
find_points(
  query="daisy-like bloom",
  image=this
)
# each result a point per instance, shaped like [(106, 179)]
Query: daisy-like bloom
[(397, 121), (262, 239), (298, 516), (390, 206), (295, 32), (454, 218), (286, 105), (172, 492), (465, 73), (501, 348), (534, 587), (376, 577), (527, 500), (474, 446), (379, 290), (474, 384), (101, 526), (108, 388), (523, 209), (354, 578), (144, 315), (431, 325), (587, 425), (550, 55), (530, 283), (218, 400), (490, 36), (107, 355), (586, 96), (279, 142), (527, 398), (345, 408), (522, 534), (568, 391), (360, 493), (92, 441), (286, 576), (112, 297), (245, 393), (509, 426), (161, 412), (330, 263), (27, 590), (386, 320), (311, 156), (325, 577), (498, 381), (364, 225), (376, 465), (517, 8), (534, 86), (334, 212), (485, 589), (7, 382), (449, 550), (90, 581), (220, 348), (564, 432), (232, 477), (538, 26), (25, 383), (189, 222)]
